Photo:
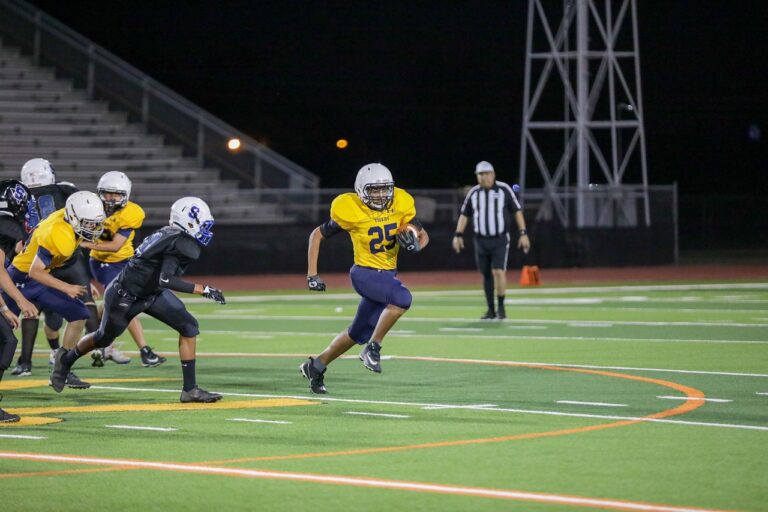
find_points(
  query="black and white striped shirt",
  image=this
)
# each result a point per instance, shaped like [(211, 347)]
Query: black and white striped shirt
[(491, 210)]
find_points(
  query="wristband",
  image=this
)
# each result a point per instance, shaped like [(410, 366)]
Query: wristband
[(523, 232), (459, 234)]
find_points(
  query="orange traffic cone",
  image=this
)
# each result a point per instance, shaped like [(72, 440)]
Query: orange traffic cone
[(530, 276)]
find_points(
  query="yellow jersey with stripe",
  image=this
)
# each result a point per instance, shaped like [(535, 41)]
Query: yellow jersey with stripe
[(124, 221), (53, 241), (372, 231)]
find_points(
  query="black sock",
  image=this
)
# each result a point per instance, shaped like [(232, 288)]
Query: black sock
[(28, 334), (188, 370), (70, 356), (92, 323), (500, 300), (488, 287), (1, 375), (145, 350), (54, 343)]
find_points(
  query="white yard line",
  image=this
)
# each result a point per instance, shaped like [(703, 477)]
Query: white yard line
[(536, 497), (326, 398), (490, 361), (590, 324), (461, 329), (406, 318), (475, 406), (765, 394), (299, 296), (600, 404), (359, 413), (135, 427), (717, 400), (18, 436), (249, 420)]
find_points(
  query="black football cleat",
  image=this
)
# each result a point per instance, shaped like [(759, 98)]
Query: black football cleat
[(6, 417), (371, 356), (22, 370), (59, 373), (489, 315), (315, 377), (502, 314), (149, 359), (199, 395), (74, 382)]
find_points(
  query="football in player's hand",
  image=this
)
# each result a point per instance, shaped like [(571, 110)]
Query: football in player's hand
[(408, 237)]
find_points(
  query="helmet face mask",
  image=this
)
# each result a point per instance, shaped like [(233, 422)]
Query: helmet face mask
[(192, 215), (114, 182), (85, 213), (37, 172), (375, 187), (14, 199)]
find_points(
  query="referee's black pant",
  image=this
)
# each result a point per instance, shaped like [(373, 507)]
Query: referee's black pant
[(491, 253)]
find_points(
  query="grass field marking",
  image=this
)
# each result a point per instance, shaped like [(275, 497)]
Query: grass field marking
[(686, 407), (31, 474), (599, 404), (382, 415), (136, 427), (165, 407), (400, 485), (761, 393), (24, 383), (719, 400), (590, 324), (18, 436), (472, 406), (418, 319), (250, 420)]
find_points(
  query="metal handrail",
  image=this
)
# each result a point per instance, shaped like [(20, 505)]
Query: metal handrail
[(95, 54)]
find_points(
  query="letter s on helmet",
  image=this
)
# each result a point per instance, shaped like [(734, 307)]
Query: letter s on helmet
[(193, 216)]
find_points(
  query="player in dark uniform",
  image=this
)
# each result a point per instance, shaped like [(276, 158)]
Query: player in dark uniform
[(145, 285), (50, 196), (14, 198)]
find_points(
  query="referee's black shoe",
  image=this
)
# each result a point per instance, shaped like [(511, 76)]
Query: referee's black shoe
[(502, 314), (489, 315)]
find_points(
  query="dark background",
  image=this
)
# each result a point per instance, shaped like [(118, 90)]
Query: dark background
[(431, 87)]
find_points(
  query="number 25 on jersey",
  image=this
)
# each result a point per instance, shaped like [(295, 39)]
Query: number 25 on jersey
[(383, 237)]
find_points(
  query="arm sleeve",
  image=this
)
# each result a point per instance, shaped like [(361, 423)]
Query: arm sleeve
[(44, 255), (330, 228), (466, 206), (125, 232), (169, 279)]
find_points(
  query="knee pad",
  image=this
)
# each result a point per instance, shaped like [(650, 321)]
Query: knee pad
[(189, 328), (401, 297), (101, 340)]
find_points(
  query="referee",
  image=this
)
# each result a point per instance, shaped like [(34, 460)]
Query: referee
[(491, 204)]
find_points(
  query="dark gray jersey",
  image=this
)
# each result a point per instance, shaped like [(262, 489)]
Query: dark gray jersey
[(11, 232), (50, 198), (159, 260)]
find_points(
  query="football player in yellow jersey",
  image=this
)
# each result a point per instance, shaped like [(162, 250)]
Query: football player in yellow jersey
[(50, 245), (372, 216), (111, 252)]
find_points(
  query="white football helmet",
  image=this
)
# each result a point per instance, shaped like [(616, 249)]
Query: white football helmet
[(85, 213), (114, 182), (193, 216), (375, 186), (37, 172)]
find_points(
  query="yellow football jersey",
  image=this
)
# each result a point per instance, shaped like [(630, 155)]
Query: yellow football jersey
[(373, 232), (128, 218), (57, 239)]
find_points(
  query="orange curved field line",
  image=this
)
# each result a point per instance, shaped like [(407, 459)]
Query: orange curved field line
[(693, 402)]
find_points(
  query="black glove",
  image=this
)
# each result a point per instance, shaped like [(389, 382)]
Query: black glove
[(408, 241), (315, 284), (209, 292)]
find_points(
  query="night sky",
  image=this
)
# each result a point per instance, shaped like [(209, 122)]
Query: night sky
[(431, 87)]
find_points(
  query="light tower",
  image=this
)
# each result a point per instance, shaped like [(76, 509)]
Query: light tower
[(582, 137)]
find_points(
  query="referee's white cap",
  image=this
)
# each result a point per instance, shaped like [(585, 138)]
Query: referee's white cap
[(483, 167)]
